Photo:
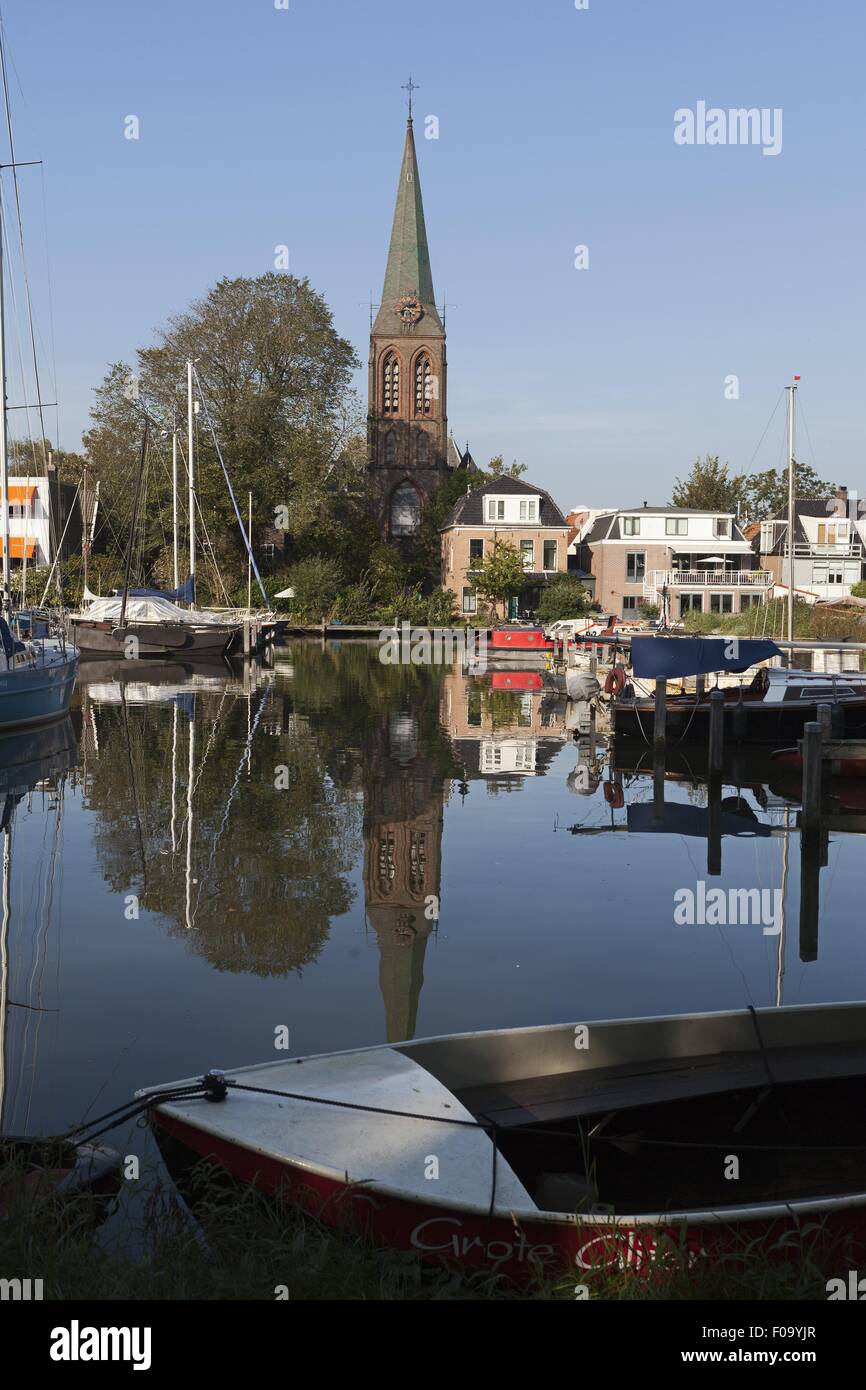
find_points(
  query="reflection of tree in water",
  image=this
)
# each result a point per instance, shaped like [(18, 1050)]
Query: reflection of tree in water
[(270, 868)]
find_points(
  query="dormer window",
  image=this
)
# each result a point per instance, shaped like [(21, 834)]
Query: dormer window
[(676, 526), (631, 526), (495, 509), (529, 509), (391, 385), (723, 527)]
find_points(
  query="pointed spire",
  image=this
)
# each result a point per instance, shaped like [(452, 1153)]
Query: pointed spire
[(408, 273)]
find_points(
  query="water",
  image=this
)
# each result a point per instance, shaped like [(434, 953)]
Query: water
[(158, 924)]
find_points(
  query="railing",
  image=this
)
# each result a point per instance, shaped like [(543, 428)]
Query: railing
[(712, 579)]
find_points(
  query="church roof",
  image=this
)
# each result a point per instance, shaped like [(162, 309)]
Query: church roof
[(408, 270)]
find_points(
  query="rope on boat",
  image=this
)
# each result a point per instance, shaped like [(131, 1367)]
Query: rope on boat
[(214, 1086)]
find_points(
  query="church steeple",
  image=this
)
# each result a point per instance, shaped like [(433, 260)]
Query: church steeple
[(408, 273), (407, 428)]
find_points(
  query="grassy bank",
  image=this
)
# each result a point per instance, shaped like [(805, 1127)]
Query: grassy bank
[(811, 623), (250, 1246)]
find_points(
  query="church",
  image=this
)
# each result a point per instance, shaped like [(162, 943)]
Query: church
[(409, 452)]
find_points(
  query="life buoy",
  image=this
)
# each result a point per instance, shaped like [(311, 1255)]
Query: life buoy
[(614, 795), (615, 683)]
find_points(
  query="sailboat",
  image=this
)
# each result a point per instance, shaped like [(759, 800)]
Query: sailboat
[(36, 675), (146, 622)]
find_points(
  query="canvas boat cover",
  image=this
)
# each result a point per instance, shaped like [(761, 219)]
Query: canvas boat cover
[(148, 610), (668, 657)]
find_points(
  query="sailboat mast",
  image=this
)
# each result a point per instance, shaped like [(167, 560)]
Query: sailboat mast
[(4, 441), (791, 407), (135, 505), (174, 499), (190, 430)]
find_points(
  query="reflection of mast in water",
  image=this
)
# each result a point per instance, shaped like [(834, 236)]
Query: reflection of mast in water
[(4, 953), (189, 791), (780, 941)]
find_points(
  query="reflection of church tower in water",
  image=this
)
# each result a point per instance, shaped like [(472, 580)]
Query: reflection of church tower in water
[(403, 818)]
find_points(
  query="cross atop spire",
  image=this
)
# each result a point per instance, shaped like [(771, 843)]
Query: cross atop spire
[(410, 87)]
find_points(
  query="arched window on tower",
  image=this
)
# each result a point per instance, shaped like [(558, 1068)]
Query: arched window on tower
[(390, 449), (421, 449), (423, 386), (405, 510), (391, 385)]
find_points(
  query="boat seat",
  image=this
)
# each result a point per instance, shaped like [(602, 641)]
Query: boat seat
[(570, 1095)]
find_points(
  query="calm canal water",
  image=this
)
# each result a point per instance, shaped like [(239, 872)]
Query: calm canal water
[(193, 862)]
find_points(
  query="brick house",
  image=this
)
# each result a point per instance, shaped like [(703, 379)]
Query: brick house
[(504, 509), (678, 558)]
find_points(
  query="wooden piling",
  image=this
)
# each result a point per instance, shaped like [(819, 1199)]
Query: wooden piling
[(825, 719), (246, 637), (811, 774), (700, 686), (661, 716), (717, 730)]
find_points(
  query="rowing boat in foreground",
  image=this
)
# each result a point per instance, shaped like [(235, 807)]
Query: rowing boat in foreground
[(589, 1145)]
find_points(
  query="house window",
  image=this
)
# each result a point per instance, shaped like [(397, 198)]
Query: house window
[(691, 603), (495, 509), (421, 449), (405, 510), (470, 605), (766, 536), (676, 526), (631, 526), (549, 555), (723, 526), (390, 449), (749, 601), (391, 385), (635, 566), (721, 603), (629, 605), (835, 577), (527, 554), (267, 550), (476, 553), (527, 509), (826, 534), (423, 386)]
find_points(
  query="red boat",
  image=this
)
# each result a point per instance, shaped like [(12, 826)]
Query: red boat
[(632, 1117), (519, 639)]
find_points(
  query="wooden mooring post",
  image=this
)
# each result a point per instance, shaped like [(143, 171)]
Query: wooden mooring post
[(660, 722), (812, 738), (717, 731)]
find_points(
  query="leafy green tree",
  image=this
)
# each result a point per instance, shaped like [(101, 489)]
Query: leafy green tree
[(498, 469), (276, 379), (767, 493), (563, 597), (501, 575), (708, 487)]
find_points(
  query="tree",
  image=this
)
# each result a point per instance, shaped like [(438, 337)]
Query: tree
[(708, 487), (276, 379), (767, 493), (497, 469), (563, 597), (501, 575)]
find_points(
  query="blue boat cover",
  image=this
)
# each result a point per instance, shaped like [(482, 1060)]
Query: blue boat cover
[(668, 657), (185, 594)]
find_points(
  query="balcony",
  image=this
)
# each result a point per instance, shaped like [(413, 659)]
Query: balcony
[(711, 579)]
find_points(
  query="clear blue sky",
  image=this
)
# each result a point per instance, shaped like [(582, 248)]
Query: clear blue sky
[(261, 126)]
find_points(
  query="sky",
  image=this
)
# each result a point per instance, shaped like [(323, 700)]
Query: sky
[(261, 126)]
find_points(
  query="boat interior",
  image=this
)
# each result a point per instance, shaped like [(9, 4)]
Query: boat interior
[(657, 1136)]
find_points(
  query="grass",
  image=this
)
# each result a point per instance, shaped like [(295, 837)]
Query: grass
[(250, 1247), (810, 623)]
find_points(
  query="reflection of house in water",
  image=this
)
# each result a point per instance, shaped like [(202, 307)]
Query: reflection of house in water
[(502, 735), (404, 794)]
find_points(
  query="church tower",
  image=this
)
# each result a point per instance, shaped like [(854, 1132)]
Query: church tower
[(407, 429)]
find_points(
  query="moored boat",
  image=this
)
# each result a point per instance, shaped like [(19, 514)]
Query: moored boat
[(580, 1145)]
